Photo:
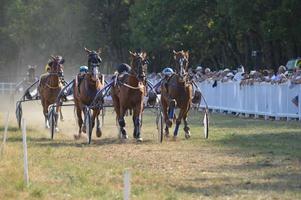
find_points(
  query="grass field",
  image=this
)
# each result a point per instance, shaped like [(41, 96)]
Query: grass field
[(242, 159)]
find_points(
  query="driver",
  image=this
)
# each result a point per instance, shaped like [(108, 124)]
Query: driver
[(167, 74)]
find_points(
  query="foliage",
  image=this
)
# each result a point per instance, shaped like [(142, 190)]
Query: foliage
[(218, 33)]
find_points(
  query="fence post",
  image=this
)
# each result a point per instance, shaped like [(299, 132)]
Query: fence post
[(256, 100), (5, 133), (26, 177), (127, 185), (299, 103)]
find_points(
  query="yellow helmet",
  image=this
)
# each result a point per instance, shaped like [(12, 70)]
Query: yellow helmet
[(47, 68)]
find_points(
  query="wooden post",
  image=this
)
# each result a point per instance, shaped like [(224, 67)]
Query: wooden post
[(26, 177)]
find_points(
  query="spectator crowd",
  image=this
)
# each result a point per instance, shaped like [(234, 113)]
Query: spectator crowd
[(282, 76), (200, 74)]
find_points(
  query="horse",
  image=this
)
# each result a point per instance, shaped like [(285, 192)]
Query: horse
[(128, 94), (85, 89), (50, 85), (176, 91)]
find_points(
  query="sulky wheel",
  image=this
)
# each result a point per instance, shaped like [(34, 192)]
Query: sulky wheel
[(206, 125), (52, 120), (19, 113), (88, 123), (159, 121)]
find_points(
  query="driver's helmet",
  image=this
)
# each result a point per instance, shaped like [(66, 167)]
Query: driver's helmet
[(167, 71), (47, 68), (83, 69)]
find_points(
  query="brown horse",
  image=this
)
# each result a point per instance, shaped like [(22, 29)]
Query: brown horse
[(128, 94), (50, 85), (177, 92), (85, 89)]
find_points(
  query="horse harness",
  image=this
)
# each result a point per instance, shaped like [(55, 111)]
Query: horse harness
[(80, 77), (61, 82), (119, 80)]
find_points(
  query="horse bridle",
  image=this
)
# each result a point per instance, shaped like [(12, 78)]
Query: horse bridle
[(139, 72), (93, 66), (182, 71)]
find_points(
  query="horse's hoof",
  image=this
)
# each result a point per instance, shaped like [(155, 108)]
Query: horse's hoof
[(124, 137), (139, 139), (57, 129), (84, 129), (98, 132), (187, 135), (76, 136), (47, 126)]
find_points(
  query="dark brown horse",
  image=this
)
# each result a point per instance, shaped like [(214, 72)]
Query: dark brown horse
[(177, 92), (50, 85), (85, 90), (128, 94)]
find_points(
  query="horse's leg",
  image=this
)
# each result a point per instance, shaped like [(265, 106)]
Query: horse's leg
[(57, 111), (98, 128), (95, 116), (186, 127), (168, 122), (137, 119), (121, 122), (178, 122), (135, 130), (45, 111), (79, 121), (116, 104), (61, 114)]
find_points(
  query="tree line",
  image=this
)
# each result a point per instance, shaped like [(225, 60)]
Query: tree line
[(218, 33)]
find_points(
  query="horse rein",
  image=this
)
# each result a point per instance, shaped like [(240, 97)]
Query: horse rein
[(132, 87)]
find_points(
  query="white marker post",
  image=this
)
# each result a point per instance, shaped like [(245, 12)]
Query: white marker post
[(5, 132), (127, 185), (26, 177)]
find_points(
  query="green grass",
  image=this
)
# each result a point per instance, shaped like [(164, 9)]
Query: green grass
[(242, 159)]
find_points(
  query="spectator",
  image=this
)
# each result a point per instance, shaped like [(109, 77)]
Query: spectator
[(280, 76)]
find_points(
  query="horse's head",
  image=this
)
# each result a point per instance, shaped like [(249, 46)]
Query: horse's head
[(94, 62), (56, 65), (139, 64), (181, 58)]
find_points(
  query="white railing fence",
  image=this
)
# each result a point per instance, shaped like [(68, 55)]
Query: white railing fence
[(6, 88), (258, 99)]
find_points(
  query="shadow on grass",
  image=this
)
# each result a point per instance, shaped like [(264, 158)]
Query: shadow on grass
[(72, 143), (29, 139), (231, 121), (10, 129), (228, 189), (285, 143), (279, 182)]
